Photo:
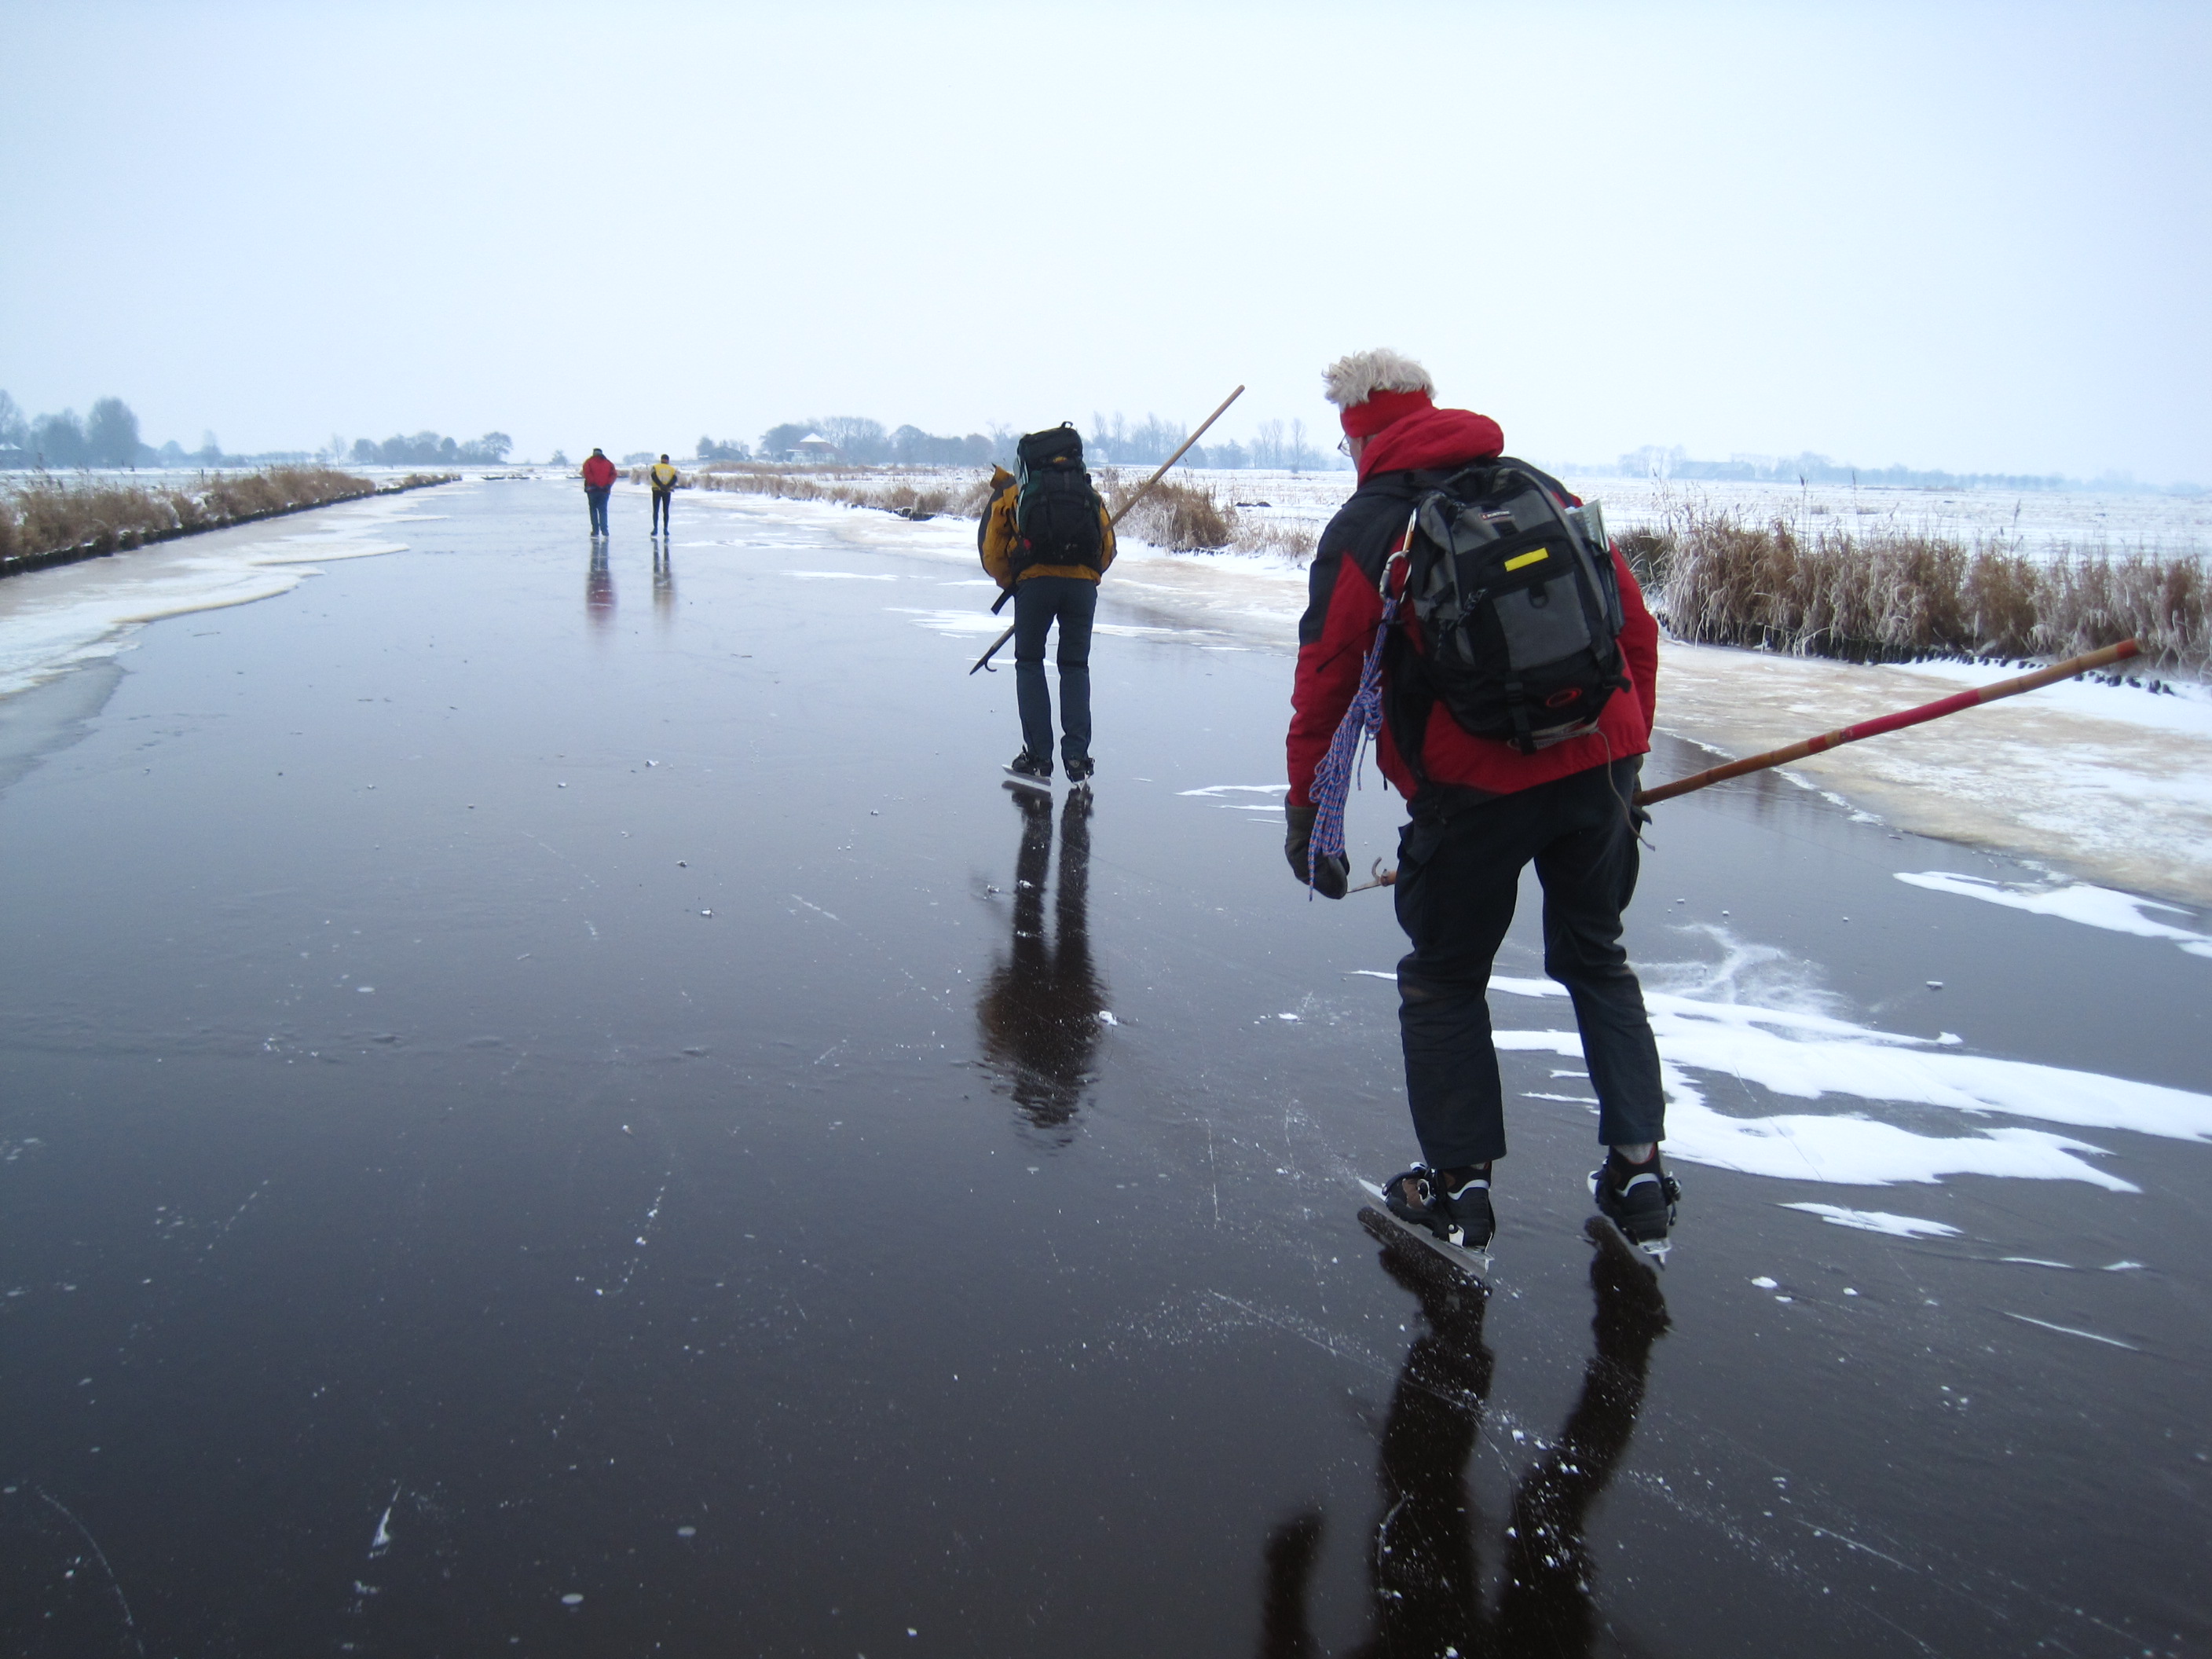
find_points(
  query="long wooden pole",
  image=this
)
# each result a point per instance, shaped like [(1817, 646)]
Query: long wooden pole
[(1141, 491), (1897, 722)]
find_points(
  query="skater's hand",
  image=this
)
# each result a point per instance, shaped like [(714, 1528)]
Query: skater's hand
[(1331, 874)]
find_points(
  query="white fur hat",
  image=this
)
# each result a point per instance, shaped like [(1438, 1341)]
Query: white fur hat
[(1353, 379)]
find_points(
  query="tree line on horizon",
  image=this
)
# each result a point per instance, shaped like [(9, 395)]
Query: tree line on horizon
[(108, 436), (1109, 441), (428, 449)]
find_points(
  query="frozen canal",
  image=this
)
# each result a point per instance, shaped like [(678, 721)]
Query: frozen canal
[(558, 1108)]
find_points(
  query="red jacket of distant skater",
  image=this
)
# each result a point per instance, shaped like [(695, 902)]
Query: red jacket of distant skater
[(1344, 608), (598, 473)]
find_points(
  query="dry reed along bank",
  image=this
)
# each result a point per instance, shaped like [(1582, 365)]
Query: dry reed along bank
[(884, 489), (50, 521), (1889, 595)]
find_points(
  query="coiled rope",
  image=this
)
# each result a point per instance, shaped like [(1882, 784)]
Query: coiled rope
[(1334, 778)]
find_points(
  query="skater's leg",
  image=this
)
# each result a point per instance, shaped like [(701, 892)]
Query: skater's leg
[(1033, 614), (1455, 896), (1588, 871), (1079, 607)]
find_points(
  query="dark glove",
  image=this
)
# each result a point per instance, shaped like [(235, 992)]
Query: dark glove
[(1331, 874)]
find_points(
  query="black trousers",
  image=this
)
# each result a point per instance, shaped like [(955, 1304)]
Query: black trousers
[(1039, 602), (660, 501), (1458, 873)]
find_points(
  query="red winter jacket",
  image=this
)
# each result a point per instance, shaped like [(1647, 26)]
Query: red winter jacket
[(598, 473), (1344, 609)]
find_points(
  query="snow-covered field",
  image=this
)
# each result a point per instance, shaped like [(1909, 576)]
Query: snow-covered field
[(2037, 520)]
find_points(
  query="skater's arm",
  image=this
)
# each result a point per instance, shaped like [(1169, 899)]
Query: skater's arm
[(1639, 641), (1328, 663), (1106, 531)]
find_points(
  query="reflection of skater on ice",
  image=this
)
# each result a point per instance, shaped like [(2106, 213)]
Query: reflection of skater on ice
[(1424, 1572), (1040, 1009), (599, 588), (664, 583)]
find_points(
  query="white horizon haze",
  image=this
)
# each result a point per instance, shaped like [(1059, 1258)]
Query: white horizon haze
[(1959, 237)]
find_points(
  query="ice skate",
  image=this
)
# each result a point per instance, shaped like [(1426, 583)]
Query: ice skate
[(1029, 771), (1455, 1223), (1637, 1201)]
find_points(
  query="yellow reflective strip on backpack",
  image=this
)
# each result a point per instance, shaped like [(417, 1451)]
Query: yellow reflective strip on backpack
[(1528, 558)]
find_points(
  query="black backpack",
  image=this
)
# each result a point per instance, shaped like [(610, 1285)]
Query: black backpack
[(1055, 508), (1515, 596)]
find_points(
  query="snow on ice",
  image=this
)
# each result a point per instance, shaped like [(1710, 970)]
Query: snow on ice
[(1809, 1056), (1877, 1221), (2092, 907)]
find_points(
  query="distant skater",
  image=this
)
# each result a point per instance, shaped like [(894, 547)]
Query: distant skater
[(1046, 538), (1517, 692), (598, 480), (663, 487)]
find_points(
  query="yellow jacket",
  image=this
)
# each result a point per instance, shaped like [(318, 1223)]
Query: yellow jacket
[(663, 476), (996, 536)]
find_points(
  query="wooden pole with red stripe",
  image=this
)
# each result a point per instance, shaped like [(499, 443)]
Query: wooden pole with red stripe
[(1897, 722)]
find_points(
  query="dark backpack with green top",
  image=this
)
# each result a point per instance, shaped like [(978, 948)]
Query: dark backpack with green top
[(1056, 511)]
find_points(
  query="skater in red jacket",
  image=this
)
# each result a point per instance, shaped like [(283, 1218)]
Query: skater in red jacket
[(1483, 806), (598, 480)]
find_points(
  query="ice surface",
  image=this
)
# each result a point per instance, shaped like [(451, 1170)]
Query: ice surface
[(2069, 1330)]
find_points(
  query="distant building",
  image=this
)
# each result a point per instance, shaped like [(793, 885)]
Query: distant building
[(813, 447)]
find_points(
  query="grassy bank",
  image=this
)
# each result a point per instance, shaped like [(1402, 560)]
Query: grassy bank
[(1890, 595), (53, 521)]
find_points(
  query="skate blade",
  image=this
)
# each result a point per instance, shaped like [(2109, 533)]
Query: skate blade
[(1033, 786), (1387, 1229)]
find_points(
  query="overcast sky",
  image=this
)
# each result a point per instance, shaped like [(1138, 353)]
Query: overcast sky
[(1969, 237)]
